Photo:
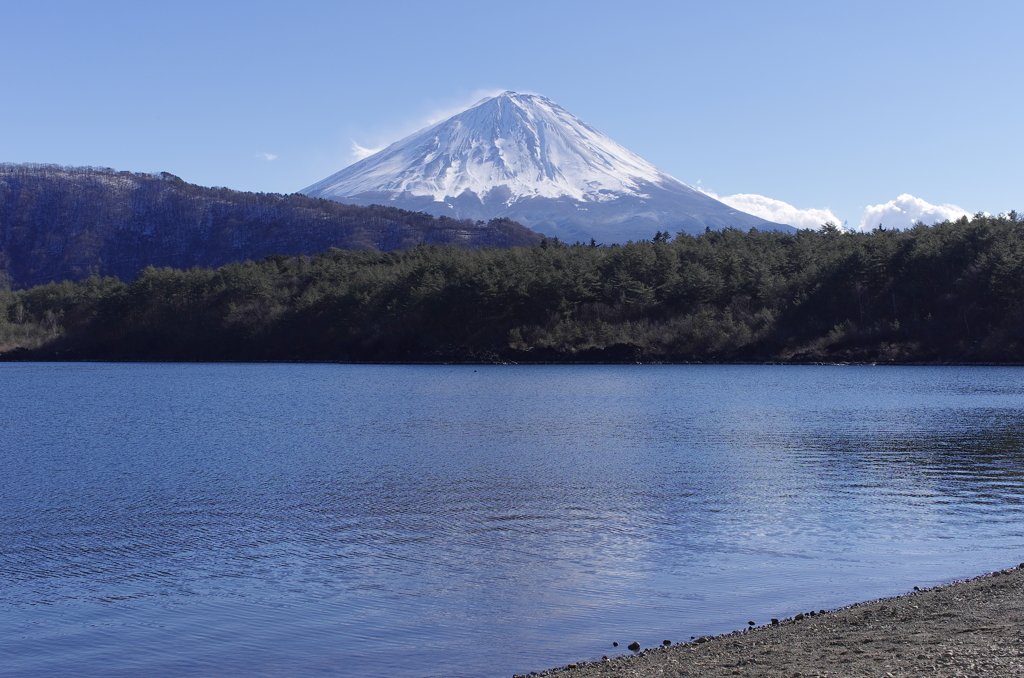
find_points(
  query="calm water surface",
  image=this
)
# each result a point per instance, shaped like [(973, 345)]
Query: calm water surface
[(413, 521)]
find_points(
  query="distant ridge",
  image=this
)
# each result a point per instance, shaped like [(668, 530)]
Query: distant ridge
[(67, 223), (524, 157)]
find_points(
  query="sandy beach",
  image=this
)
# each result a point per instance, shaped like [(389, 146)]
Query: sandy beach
[(967, 628)]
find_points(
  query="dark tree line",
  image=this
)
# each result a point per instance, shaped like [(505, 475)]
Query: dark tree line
[(950, 292), (59, 223)]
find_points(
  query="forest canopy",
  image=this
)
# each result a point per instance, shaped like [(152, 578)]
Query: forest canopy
[(949, 292)]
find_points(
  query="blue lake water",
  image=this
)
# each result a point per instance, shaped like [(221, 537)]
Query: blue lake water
[(456, 521)]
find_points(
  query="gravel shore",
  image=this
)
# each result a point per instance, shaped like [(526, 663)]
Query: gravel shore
[(968, 628)]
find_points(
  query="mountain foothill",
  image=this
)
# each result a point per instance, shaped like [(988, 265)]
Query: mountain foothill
[(61, 223)]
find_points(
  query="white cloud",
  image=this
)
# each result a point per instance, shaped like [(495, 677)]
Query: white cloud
[(905, 211), (411, 127), (473, 99), (776, 210), (266, 156), (360, 152)]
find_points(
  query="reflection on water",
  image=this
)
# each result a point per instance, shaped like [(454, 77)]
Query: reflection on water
[(407, 521)]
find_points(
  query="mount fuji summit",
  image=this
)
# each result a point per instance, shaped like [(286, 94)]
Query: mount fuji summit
[(524, 157)]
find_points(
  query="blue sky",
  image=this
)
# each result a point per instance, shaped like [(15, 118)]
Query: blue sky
[(844, 106)]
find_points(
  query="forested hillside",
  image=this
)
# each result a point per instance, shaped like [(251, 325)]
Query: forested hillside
[(950, 292), (60, 223)]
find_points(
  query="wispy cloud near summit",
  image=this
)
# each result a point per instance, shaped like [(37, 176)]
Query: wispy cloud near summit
[(360, 152)]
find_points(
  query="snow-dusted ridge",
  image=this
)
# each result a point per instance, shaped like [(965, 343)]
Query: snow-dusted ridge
[(525, 157), (523, 141)]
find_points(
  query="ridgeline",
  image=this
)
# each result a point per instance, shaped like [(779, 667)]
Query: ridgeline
[(69, 223), (952, 292)]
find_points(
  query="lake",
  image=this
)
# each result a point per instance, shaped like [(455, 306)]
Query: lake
[(477, 521)]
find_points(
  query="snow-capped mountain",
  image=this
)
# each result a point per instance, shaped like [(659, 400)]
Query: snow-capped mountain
[(524, 157)]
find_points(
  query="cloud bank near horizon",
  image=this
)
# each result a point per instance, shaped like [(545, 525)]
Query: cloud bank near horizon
[(776, 210), (901, 213), (905, 211)]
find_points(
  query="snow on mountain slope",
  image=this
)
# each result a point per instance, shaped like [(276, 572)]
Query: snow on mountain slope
[(524, 157)]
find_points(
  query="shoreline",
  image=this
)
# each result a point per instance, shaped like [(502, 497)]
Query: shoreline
[(972, 627), (24, 356)]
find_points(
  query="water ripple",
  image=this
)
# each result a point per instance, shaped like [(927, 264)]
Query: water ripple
[(174, 520)]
